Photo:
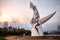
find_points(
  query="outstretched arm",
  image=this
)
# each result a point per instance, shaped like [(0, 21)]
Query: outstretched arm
[(43, 20)]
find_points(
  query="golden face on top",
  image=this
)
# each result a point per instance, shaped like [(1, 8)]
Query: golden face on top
[(31, 5)]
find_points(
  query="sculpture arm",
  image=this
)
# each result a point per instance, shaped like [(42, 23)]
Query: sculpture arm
[(43, 20)]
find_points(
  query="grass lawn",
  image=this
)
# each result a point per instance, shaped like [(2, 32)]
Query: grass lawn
[(2, 38)]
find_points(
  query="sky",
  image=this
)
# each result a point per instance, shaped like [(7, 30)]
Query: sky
[(18, 13)]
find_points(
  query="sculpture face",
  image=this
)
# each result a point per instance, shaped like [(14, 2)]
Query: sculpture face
[(36, 22)]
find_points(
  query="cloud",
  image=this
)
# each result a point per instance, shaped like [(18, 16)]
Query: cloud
[(20, 10)]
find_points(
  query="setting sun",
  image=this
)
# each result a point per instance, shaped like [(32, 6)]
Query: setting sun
[(13, 12), (5, 17)]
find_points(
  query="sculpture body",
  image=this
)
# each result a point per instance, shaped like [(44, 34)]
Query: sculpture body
[(36, 22)]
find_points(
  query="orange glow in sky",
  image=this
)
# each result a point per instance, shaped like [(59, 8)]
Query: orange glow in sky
[(6, 16), (14, 11)]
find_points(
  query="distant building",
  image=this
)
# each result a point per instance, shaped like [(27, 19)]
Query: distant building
[(58, 28), (5, 25)]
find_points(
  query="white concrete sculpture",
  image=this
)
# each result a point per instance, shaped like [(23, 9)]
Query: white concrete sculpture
[(36, 22)]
